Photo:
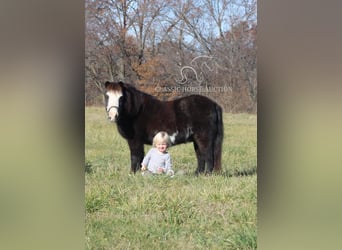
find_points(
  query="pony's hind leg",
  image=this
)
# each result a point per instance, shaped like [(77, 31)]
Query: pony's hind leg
[(204, 148), (200, 159), (209, 158)]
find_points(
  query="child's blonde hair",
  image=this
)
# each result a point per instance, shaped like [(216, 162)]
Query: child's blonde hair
[(161, 137)]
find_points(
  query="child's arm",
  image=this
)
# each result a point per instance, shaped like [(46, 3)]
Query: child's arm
[(168, 166), (168, 163), (146, 161)]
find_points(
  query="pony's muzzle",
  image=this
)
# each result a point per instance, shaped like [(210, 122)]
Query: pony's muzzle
[(112, 118), (112, 112)]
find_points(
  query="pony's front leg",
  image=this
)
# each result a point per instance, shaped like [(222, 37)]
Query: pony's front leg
[(137, 155)]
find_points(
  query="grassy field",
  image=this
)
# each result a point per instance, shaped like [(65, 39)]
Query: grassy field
[(126, 211)]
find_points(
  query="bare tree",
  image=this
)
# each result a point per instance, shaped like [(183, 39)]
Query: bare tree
[(209, 43)]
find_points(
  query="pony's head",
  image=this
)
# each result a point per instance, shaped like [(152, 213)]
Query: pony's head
[(112, 95)]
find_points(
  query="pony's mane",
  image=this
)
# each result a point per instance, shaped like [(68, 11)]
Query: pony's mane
[(132, 89)]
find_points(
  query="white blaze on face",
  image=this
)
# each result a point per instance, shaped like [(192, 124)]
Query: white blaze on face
[(113, 104)]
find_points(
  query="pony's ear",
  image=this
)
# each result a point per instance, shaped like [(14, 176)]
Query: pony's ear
[(121, 84), (107, 83)]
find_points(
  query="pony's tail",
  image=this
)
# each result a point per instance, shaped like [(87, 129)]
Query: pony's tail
[(218, 140)]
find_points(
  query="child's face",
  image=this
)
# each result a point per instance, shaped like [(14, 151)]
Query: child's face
[(161, 146)]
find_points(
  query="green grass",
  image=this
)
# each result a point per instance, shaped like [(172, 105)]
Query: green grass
[(126, 211)]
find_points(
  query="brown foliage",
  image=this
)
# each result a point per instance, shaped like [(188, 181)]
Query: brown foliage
[(165, 46)]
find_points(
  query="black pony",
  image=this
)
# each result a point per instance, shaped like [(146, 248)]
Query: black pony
[(139, 116)]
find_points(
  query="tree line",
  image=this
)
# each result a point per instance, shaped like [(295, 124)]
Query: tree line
[(172, 48)]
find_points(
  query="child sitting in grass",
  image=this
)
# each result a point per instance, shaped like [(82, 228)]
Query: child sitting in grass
[(158, 160)]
